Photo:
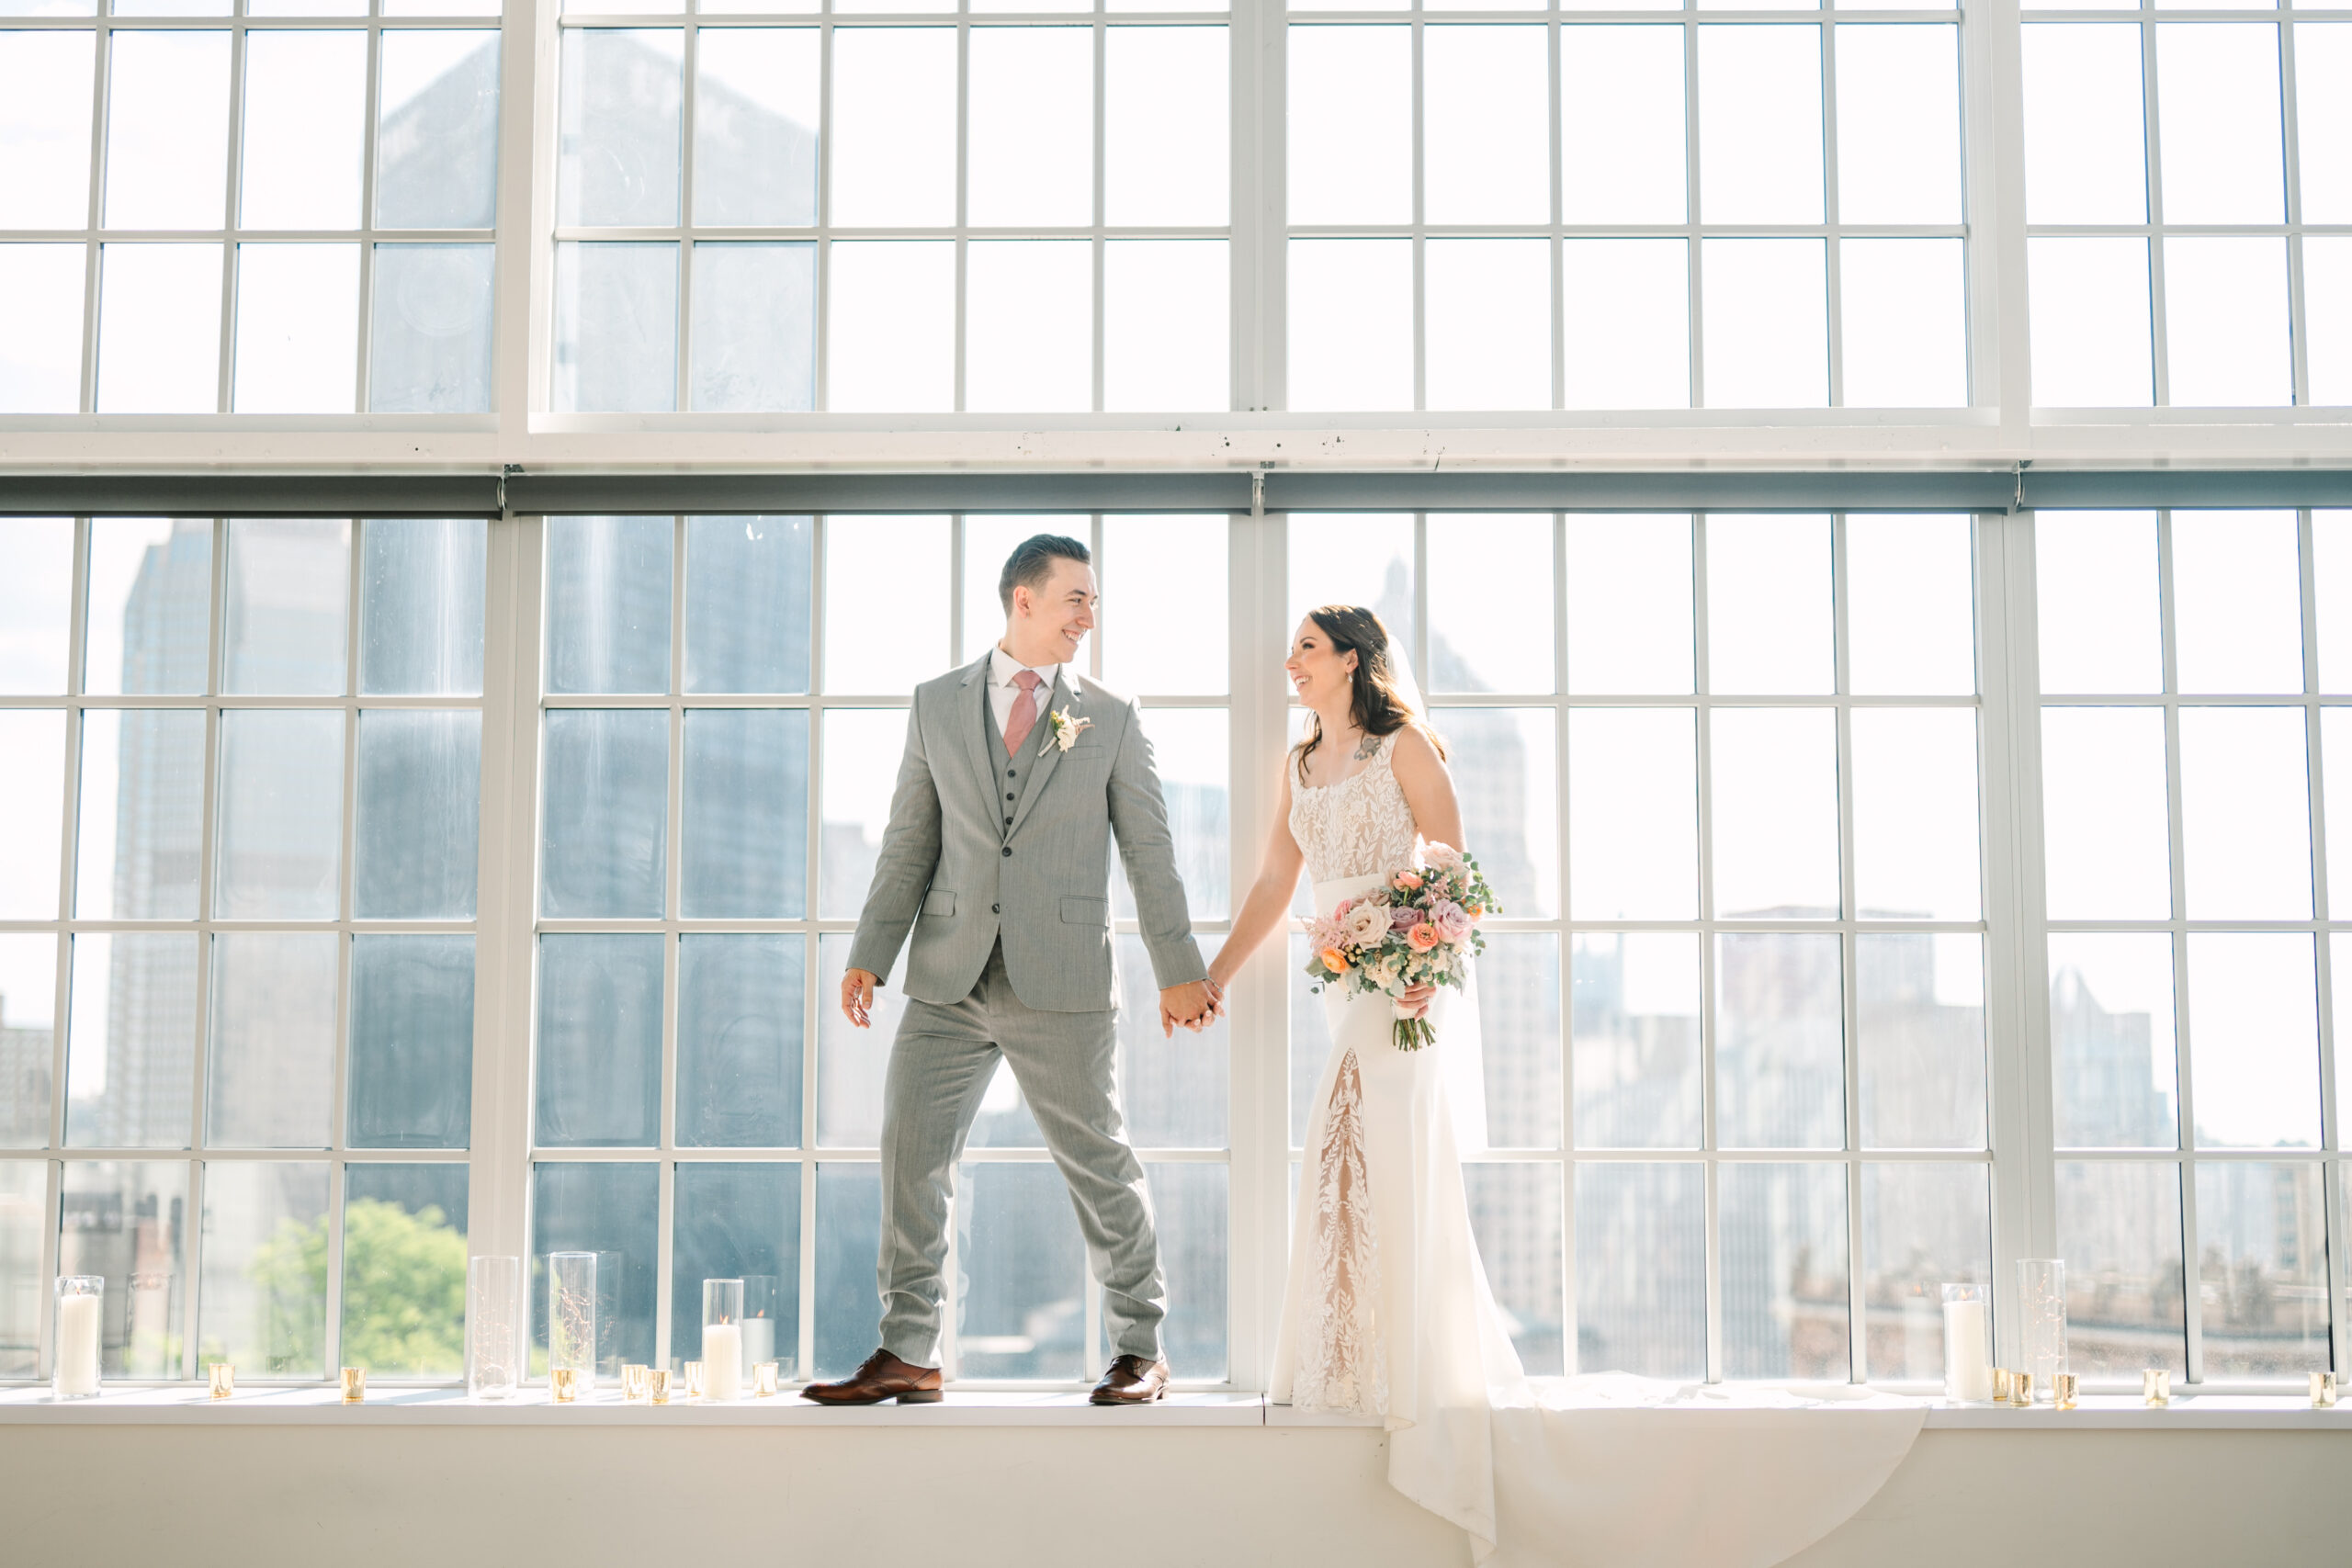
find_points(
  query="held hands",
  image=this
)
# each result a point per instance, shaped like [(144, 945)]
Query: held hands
[(1195, 1006), (857, 998)]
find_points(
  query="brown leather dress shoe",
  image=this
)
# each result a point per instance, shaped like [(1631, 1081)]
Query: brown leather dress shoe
[(882, 1376), (1131, 1381)]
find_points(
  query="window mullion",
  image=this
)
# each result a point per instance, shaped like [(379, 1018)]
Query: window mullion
[(2184, 1035)]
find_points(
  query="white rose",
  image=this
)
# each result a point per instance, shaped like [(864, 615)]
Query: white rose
[(1367, 923)]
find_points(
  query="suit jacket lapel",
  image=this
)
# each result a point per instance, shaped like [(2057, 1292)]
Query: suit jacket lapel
[(975, 724), (1043, 755)]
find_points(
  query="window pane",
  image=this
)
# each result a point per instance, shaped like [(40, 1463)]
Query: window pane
[(1632, 814), (1627, 323), (2085, 158), (1349, 129), (613, 1211), (851, 1062), (1310, 1046), (297, 329), (1165, 120), (738, 1222), (1354, 559), (2245, 818), (2323, 145), (1485, 150), (2262, 1241), (23, 1205), (1506, 768), (989, 539), (1175, 1090), (892, 325), (1350, 325), (2096, 580), (755, 135), (2119, 1227), (420, 596), (1488, 305), (2237, 600), (269, 1083), (1629, 604), (2217, 99), (1899, 125), (412, 1064), (746, 823), (1515, 1216), (259, 1303), (616, 328), (428, 349), (1769, 624), (1191, 751), (894, 126), (1759, 125), (132, 1040), (1766, 323), (1622, 125), (748, 603), (167, 130), (418, 815), (849, 1229), (142, 814), (1189, 1210), (619, 133), (600, 1040), (1780, 1057), (1922, 1225), (1636, 1034), (1490, 631), (604, 829), (45, 137), (1029, 326), (2332, 592), (862, 750), (2254, 1039), (288, 595), (1915, 814), (36, 602), (1642, 1270), (127, 1222), (608, 603), (1905, 332), (1166, 615), (1910, 612), (1004, 1120), (304, 125), (1775, 838), (739, 1040), (1786, 1311), (159, 329), (2225, 320), (1020, 1310), (2105, 835), (2112, 1040), (755, 333), (150, 605), (2335, 746), (910, 554), (404, 1269), (1920, 1001), (2090, 304), (1166, 336), (1030, 129), (27, 1045), (32, 791), (281, 815), (43, 371), (1519, 1011), (436, 138)]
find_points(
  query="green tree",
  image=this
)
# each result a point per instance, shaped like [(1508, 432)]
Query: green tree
[(403, 1288)]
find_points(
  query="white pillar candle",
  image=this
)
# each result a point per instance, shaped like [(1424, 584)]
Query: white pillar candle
[(722, 1361), (759, 1340), (1968, 1362), (77, 1346)]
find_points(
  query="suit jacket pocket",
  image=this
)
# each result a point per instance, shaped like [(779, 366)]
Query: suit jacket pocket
[(1086, 911), (939, 902)]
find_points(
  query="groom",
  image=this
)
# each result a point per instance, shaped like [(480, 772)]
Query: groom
[(1018, 771)]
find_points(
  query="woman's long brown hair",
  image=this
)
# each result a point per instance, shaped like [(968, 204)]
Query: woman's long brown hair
[(1376, 704)]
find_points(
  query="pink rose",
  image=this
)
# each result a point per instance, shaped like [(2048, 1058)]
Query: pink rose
[(1366, 924), (1423, 937), (1442, 857), (1403, 918), (1452, 921), (1407, 881)]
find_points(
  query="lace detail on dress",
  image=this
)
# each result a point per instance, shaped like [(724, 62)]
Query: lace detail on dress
[(1359, 827), (1340, 1364)]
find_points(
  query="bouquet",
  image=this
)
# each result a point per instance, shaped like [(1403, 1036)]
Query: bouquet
[(1421, 928)]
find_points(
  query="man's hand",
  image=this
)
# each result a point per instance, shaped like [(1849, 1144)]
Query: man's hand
[(857, 998), (1195, 1006)]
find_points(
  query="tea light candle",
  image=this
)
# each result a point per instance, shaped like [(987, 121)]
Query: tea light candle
[(657, 1384), (763, 1379), (694, 1379), (2005, 1385), (355, 1385), (224, 1379), (564, 1383), (2322, 1391), (633, 1382), (2066, 1391), (2021, 1390), (2156, 1386)]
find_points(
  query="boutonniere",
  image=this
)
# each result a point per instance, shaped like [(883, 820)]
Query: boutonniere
[(1067, 730)]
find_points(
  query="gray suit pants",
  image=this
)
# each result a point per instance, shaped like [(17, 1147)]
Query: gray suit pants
[(940, 1067)]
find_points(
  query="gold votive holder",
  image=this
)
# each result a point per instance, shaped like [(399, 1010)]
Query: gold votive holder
[(564, 1383), (763, 1381), (633, 1382), (2021, 1390), (2322, 1391), (2066, 1386), (2005, 1385), (2156, 1386), (355, 1385), (657, 1384), (694, 1379), (224, 1379)]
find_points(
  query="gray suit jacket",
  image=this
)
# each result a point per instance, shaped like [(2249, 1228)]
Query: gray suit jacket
[(1043, 884)]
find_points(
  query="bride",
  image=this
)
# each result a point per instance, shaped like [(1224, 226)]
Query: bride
[(1387, 1313)]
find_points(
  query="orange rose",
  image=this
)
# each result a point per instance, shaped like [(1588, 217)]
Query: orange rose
[(1406, 881), (1335, 961), (1423, 937)]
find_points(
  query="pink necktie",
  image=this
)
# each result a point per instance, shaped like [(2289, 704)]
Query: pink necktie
[(1024, 717)]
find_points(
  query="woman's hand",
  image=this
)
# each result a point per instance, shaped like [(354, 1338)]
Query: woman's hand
[(1415, 1003)]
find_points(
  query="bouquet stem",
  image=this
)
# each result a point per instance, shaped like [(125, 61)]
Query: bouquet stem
[(1412, 1034)]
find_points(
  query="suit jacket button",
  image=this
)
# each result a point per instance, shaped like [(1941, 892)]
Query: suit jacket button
[(996, 908), (1008, 852)]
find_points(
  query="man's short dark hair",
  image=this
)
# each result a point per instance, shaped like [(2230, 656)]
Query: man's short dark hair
[(1031, 562)]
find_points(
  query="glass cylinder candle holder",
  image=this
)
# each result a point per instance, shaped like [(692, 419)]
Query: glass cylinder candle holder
[(2156, 1386), (657, 1384), (571, 1317), (81, 1317), (355, 1385), (2322, 1391), (2005, 1385), (763, 1379), (694, 1379), (223, 1378), (761, 1310), (722, 1340), (2042, 1321), (563, 1384), (1968, 1344), (2021, 1391), (2063, 1395), (633, 1382), (494, 1327)]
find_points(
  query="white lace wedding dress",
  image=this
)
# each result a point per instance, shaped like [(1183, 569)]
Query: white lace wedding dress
[(1387, 1312)]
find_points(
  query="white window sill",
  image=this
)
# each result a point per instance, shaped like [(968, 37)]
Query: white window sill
[(183, 1404)]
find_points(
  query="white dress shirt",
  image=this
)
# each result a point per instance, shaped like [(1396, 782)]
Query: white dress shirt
[(1002, 692)]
